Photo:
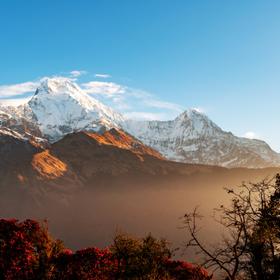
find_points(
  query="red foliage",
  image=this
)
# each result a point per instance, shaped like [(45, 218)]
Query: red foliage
[(90, 263), (28, 252), (19, 249), (181, 270)]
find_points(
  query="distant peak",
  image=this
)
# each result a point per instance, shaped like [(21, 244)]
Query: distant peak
[(191, 114), (196, 111), (198, 120)]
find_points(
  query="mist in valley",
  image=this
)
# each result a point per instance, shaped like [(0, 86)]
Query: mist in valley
[(136, 205)]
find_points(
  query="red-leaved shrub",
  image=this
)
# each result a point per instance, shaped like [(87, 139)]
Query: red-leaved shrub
[(90, 263), (27, 252)]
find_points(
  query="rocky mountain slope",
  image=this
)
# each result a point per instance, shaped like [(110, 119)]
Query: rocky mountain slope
[(73, 160), (89, 159), (20, 120), (60, 107)]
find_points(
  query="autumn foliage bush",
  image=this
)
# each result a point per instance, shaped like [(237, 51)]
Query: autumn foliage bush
[(27, 251), (89, 263), (181, 270)]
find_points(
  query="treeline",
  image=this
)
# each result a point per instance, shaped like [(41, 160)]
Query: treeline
[(28, 252)]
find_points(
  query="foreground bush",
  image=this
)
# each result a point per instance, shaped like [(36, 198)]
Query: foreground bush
[(181, 270), (90, 263), (28, 252), (143, 258)]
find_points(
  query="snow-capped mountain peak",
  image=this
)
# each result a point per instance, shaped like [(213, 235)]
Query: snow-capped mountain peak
[(64, 88), (196, 123), (192, 115), (55, 85), (60, 107)]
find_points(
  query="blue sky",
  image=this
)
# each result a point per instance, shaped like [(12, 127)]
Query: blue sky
[(220, 56)]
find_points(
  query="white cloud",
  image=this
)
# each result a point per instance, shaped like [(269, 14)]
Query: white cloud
[(105, 88), (151, 101), (132, 102), (120, 103), (17, 89), (14, 101), (251, 135), (77, 73), (145, 116), (103, 76), (154, 103)]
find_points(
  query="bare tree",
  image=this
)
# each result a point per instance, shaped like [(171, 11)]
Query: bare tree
[(251, 247)]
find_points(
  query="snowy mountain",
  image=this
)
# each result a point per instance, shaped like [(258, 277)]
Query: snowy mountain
[(59, 107), (20, 122), (193, 138)]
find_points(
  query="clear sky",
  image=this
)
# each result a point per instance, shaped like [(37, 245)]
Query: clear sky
[(220, 56)]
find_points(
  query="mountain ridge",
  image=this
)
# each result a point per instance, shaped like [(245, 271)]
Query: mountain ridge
[(73, 160), (59, 107), (193, 138)]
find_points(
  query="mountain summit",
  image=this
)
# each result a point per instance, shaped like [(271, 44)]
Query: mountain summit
[(61, 107)]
